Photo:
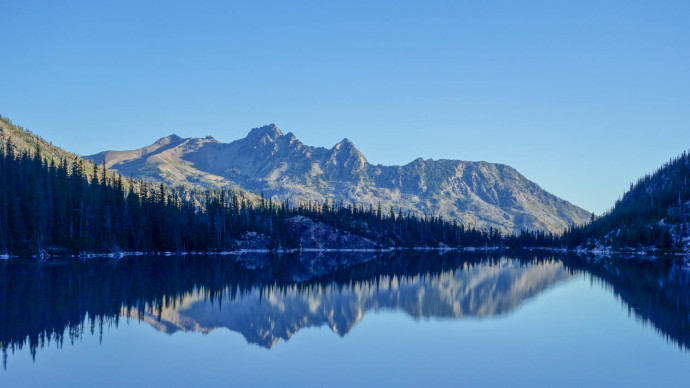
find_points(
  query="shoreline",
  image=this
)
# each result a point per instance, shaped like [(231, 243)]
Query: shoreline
[(240, 252)]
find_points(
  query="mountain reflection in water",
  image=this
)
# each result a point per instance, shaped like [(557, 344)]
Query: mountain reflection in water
[(264, 315), (269, 298)]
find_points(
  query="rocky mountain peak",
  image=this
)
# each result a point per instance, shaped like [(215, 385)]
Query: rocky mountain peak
[(169, 139), (347, 149), (345, 143), (270, 132)]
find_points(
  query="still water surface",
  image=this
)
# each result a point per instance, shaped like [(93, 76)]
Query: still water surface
[(335, 320)]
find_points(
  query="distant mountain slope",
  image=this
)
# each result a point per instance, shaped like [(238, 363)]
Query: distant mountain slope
[(654, 212), (475, 193)]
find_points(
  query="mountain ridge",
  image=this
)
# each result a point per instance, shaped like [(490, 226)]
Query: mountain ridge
[(267, 160)]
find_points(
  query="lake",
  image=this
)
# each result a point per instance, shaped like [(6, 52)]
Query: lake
[(346, 320)]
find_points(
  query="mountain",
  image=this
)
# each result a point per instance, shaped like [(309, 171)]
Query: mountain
[(480, 194), (654, 212), (51, 206)]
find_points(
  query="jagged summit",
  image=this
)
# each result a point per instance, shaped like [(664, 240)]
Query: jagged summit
[(480, 194), (345, 143), (347, 149), (271, 131)]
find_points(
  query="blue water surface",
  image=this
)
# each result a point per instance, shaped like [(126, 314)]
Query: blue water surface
[(400, 319)]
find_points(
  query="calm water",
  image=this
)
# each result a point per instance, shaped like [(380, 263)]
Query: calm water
[(398, 319)]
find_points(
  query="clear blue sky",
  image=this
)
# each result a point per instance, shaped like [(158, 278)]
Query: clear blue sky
[(582, 97)]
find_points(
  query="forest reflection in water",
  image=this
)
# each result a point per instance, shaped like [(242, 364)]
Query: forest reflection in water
[(269, 298)]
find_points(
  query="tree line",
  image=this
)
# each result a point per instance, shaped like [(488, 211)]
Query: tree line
[(67, 206), (70, 206), (654, 212)]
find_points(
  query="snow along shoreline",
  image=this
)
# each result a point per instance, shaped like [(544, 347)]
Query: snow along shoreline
[(609, 252), (239, 252)]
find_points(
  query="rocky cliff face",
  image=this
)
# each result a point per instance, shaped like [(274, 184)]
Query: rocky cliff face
[(317, 235), (313, 235), (480, 194)]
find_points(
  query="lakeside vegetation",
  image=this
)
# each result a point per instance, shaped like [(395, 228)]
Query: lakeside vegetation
[(653, 214)]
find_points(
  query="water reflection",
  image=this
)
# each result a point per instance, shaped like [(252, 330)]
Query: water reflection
[(270, 298), (264, 315)]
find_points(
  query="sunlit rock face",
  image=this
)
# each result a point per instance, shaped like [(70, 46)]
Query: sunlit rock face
[(264, 316), (279, 165)]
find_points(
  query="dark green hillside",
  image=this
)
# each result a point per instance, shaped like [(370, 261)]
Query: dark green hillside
[(654, 212), (24, 140)]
